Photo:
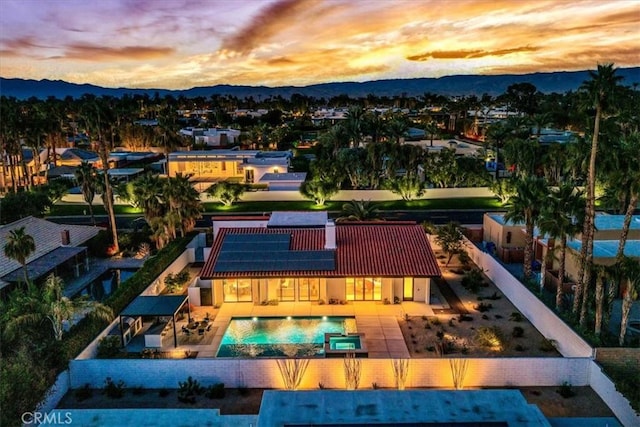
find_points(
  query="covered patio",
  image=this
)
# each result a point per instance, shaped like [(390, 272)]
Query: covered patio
[(152, 306)]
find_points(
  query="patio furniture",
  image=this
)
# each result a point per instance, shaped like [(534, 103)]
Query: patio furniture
[(209, 327), (201, 331)]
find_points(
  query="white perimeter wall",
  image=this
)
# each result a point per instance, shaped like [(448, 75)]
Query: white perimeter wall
[(605, 388), (264, 373), (570, 344)]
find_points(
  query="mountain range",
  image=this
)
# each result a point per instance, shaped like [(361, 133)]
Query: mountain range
[(449, 86)]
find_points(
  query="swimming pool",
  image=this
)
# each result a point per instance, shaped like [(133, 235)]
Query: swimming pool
[(105, 285), (280, 336)]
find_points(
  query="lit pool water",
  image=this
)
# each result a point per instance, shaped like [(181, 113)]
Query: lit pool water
[(280, 336)]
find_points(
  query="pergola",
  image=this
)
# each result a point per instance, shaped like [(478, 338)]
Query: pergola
[(162, 305)]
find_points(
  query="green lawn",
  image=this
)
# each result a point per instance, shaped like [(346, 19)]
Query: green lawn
[(488, 203)]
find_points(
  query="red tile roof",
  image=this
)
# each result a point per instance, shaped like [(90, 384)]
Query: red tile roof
[(362, 250)]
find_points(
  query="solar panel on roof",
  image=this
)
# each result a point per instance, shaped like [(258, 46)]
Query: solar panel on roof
[(254, 242), (276, 261)]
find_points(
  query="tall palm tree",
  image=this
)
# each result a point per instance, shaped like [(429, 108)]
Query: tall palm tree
[(631, 269), (359, 210), (354, 125), (182, 201), (525, 207), (95, 117), (19, 247), (560, 218), (600, 91), (51, 305), (87, 178)]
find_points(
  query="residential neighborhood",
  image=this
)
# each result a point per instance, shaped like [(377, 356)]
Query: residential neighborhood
[(187, 256)]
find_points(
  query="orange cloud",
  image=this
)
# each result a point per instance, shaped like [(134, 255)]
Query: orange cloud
[(128, 53), (469, 54)]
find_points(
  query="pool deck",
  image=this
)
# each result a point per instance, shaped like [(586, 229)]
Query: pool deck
[(377, 321)]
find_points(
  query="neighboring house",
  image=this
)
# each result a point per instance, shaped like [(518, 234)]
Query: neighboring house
[(507, 240), (71, 157), (213, 137), (247, 166), (58, 250), (504, 238), (303, 256)]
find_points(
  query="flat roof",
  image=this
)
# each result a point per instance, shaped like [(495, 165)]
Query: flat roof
[(399, 407), (614, 222), (609, 248), (298, 219), (161, 305)]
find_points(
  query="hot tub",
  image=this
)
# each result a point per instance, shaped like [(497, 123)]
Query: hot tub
[(338, 345)]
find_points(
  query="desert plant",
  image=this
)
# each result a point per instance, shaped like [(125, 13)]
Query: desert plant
[(292, 371), (215, 391), (482, 307), (321, 386), (489, 337), (516, 317), (113, 390), (375, 386), (188, 390), (566, 390), (400, 372), (352, 371), (458, 372)]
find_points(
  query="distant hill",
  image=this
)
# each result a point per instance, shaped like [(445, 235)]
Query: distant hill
[(450, 85)]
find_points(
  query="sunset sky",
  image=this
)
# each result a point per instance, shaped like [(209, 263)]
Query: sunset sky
[(179, 44)]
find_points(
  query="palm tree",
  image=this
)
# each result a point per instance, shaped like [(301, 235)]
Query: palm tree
[(354, 125), (525, 207), (19, 247), (361, 210), (631, 269), (183, 202), (87, 178), (431, 128), (95, 117), (560, 218), (50, 304), (599, 90)]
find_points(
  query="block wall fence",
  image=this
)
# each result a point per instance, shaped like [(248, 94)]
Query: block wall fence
[(264, 373)]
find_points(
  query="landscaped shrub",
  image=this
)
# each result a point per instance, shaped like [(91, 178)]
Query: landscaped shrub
[(482, 307), (489, 337), (175, 282), (516, 317), (188, 390), (113, 390), (473, 281), (109, 347), (163, 392), (566, 390)]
